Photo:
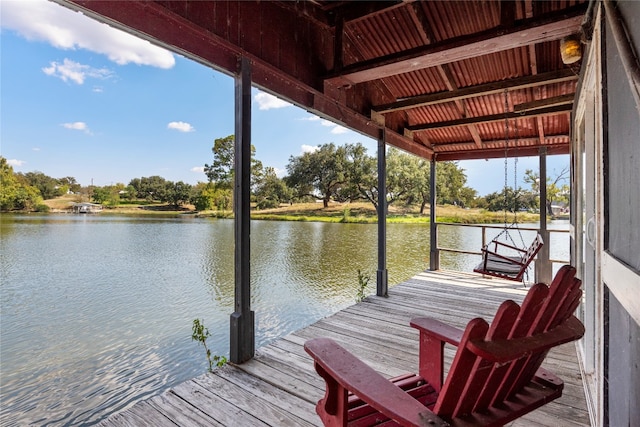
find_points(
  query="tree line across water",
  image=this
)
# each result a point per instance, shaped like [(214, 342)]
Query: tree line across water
[(339, 173)]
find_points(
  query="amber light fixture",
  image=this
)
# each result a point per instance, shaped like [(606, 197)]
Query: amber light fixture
[(570, 49)]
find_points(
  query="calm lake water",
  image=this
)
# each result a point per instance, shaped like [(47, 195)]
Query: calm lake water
[(96, 311)]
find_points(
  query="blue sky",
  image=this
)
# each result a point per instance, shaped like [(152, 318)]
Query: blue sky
[(81, 99)]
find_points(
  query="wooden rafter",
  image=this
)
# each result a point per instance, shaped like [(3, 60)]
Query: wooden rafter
[(542, 103), (471, 153), (548, 111), (479, 90), (523, 33)]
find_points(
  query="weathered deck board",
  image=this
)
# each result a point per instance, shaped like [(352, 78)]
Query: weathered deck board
[(279, 387)]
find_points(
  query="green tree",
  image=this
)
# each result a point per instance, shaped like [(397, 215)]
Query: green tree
[(205, 196), (71, 184), (271, 190), (421, 189), (220, 172), (149, 188), (100, 194), (318, 174), (176, 193), (15, 191), (556, 189), (129, 193), (403, 173), (508, 200), (361, 176), (468, 197), (48, 186), (450, 179)]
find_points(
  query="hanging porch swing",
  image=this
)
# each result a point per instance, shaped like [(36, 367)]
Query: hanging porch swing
[(502, 257)]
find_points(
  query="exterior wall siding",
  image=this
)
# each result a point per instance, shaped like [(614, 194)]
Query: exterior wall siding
[(623, 171), (624, 368), (622, 236)]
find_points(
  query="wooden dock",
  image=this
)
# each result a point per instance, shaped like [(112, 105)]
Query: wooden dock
[(279, 387)]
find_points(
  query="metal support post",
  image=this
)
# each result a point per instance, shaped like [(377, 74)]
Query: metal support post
[(242, 343), (543, 270), (434, 253), (382, 282)]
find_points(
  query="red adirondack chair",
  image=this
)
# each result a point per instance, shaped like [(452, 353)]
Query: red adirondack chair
[(495, 376)]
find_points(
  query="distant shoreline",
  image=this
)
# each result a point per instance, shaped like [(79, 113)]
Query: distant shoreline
[(358, 212)]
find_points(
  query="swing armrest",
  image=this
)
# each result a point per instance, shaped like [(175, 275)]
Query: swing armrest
[(496, 257), (509, 246)]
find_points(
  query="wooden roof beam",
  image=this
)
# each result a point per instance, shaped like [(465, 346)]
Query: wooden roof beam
[(498, 153), (541, 103), (551, 77), (525, 32), (522, 142), (547, 111)]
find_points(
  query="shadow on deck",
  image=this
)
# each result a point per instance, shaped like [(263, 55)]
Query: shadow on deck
[(279, 387)]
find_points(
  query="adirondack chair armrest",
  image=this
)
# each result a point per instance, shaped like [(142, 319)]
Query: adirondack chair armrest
[(433, 336), (344, 372), (438, 330), (500, 351)]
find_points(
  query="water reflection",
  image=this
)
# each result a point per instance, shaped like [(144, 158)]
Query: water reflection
[(97, 310)]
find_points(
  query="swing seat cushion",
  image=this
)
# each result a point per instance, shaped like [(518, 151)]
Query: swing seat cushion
[(497, 264), (508, 267)]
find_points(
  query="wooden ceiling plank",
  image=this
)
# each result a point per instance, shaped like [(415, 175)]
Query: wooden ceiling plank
[(551, 77), (523, 33)]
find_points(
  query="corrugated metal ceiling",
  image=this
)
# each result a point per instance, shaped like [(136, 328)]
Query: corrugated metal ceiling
[(353, 62)]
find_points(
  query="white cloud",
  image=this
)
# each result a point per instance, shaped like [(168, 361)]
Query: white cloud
[(35, 149), (309, 148), (337, 129), (76, 72), (69, 30), (77, 126), (181, 126), (15, 162), (199, 169), (268, 102)]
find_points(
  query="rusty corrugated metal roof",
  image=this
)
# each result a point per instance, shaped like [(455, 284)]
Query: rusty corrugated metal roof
[(364, 63)]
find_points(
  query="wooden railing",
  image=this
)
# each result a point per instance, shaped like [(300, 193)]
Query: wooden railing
[(484, 228)]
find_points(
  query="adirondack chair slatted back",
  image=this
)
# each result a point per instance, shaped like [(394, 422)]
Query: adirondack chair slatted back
[(497, 382), (564, 298), (474, 383)]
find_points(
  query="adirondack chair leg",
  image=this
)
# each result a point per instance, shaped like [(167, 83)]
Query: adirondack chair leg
[(332, 408), (431, 363)]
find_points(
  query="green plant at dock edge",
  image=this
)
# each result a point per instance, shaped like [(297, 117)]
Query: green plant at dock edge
[(363, 281), (200, 333)]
